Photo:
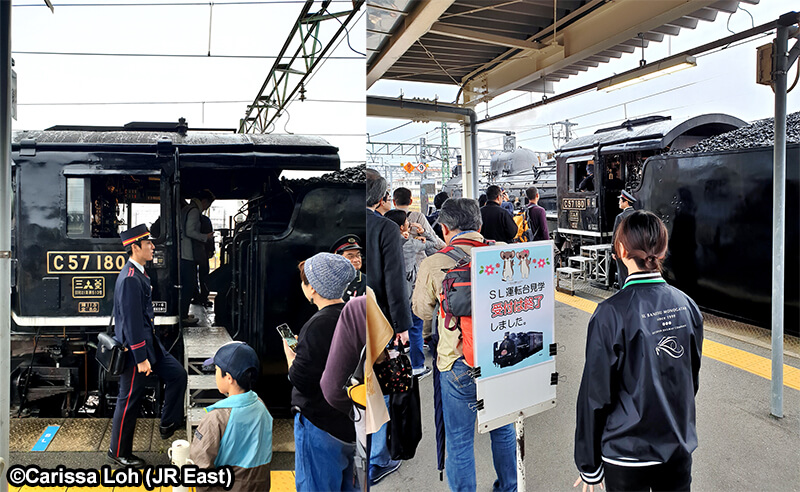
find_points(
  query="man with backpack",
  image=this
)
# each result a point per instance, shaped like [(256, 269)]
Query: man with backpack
[(461, 222), (535, 217)]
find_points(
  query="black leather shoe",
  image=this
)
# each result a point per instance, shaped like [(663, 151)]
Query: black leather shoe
[(131, 460), (168, 431)]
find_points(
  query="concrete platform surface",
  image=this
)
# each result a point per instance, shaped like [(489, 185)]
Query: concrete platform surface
[(741, 447)]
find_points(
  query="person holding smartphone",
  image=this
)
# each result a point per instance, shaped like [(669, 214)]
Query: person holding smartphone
[(324, 437)]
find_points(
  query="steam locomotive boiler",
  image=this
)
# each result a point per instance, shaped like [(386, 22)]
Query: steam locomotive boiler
[(515, 170), (76, 188)]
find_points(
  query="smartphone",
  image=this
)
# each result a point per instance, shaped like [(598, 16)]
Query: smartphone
[(286, 334)]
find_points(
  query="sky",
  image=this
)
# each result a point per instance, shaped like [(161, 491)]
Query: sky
[(722, 82), (58, 89)]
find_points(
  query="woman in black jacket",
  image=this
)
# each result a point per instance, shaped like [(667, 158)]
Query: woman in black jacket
[(636, 405)]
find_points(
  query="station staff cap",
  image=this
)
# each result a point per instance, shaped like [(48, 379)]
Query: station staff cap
[(134, 234), (627, 196), (346, 243), (235, 358)]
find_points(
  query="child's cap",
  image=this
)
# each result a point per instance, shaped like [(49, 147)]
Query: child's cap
[(234, 358)]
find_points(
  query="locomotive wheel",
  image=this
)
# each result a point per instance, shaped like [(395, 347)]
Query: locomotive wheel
[(70, 404)]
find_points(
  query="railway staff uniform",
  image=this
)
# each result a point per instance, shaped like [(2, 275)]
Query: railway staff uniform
[(587, 183), (135, 329), (349, 246), (626, 201)]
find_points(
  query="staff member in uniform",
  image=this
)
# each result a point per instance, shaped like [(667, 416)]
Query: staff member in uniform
[(636, 404), (626, 201), (349, 246), (135, 329)]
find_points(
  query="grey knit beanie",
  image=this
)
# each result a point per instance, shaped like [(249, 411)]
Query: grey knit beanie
[(329, 274)]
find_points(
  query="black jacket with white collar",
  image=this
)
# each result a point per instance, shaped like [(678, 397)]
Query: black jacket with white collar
[(636, 404)]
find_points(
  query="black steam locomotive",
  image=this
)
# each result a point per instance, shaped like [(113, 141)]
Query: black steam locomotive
[(716, 204), (516, 347), (76, 188), (613, 159)]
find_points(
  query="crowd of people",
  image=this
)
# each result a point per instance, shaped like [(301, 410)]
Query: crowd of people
[(237, 430), (635, 413), (636, 378)]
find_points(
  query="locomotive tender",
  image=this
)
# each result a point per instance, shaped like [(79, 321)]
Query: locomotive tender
[(76, 188), (717, 207)]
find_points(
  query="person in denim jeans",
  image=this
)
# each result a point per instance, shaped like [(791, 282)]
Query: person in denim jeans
[(460, 217), (324, 437), (458, 400)]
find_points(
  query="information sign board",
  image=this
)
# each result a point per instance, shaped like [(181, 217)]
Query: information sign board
[(513, 313)]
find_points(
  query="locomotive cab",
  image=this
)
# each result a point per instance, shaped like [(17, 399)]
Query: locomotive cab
[(592, 170), (76, 189)]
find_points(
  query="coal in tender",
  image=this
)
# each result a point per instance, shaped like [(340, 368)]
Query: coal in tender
[(757, 134), (355, 174)]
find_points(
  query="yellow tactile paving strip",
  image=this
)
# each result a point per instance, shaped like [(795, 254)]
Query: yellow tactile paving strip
[(576, 302), (282, 481), (760, 366), (741, 359)]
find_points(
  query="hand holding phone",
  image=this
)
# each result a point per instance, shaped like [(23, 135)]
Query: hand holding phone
[(287, 335)]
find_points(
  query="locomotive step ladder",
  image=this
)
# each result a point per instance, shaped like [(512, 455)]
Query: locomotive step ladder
[(566, 277), (200, 343), (584, 263), (601, 258)]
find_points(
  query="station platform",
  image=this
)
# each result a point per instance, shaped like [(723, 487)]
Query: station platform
[(83, 442), (741, 446)]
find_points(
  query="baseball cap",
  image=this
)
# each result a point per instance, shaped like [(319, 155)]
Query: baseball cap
[(234, 358)]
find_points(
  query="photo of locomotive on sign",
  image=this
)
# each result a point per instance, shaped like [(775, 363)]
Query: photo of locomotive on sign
[(516, 347), (76, 188)]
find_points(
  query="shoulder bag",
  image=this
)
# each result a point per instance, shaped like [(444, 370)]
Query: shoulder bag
[(110, 353)]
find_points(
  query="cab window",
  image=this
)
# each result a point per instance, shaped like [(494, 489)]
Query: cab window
[(102, 206), (577, 171)]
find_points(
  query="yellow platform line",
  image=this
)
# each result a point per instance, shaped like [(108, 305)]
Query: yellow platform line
[(754, 364), (741, 359), (281, 481)]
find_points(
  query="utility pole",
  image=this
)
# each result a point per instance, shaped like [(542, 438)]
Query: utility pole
[(563, 134), (445, 154), (783, 59)]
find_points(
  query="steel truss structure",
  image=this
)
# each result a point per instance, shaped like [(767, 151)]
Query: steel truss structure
[(290, 71)]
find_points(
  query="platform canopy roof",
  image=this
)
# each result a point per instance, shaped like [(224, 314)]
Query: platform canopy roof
[(493, 46)]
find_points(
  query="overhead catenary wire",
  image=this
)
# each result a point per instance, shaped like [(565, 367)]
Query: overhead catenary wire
[(169, 55), (390, 129), (347, 33), (170, 4), (120, 103)]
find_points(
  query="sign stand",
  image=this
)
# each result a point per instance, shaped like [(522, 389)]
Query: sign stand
[(513, 318), (519, 425)]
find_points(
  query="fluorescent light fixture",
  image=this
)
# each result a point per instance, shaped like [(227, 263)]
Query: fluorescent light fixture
[(648, 72)]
